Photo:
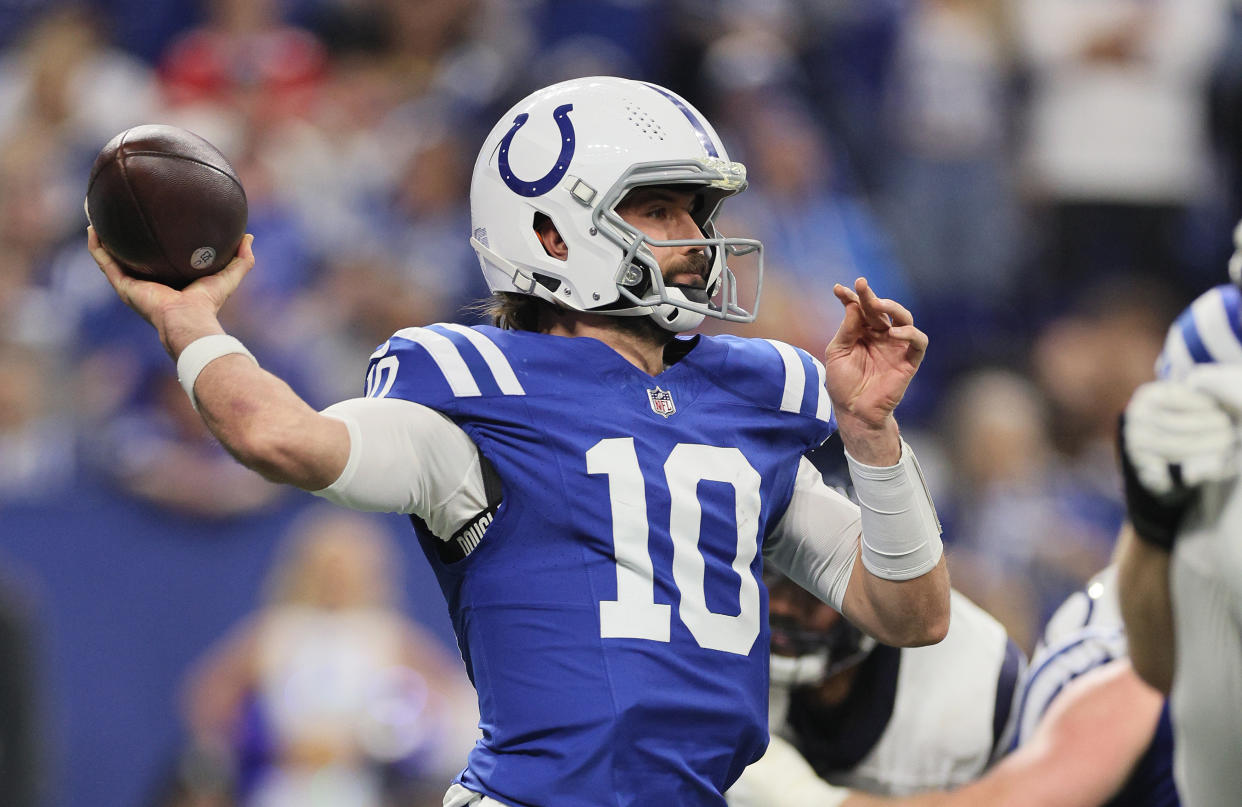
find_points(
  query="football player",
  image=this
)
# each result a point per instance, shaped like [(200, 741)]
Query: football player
[(1087, 732), (875, 718), (1181, 555), (595, 489), (871, 717)]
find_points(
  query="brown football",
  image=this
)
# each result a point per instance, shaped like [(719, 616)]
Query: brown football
[(166, 204)]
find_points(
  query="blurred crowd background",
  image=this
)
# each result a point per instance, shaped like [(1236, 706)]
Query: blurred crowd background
[(1045, 183)]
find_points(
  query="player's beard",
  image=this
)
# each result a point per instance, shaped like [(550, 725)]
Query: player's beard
[(695, 263)]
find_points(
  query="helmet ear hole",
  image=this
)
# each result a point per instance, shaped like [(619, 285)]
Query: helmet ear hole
[(549, 236)]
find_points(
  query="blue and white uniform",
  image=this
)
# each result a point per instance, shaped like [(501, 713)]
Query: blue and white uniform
[(916, 719), (1085, 633), (1206, 583), (610, 610)]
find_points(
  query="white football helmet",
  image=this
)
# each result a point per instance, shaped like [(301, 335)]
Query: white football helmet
[(572, 152)]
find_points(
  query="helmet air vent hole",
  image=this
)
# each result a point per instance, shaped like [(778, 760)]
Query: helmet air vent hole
[(549, 283)]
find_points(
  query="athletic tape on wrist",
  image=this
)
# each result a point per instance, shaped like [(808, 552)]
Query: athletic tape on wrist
[(202, 352), (900, 529)]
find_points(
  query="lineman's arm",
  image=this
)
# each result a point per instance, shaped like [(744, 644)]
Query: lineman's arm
[(256, 416), (1146, 607), (1081, 754)]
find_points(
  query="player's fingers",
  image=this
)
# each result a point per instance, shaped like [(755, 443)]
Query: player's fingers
[(898, 313), (908, 333), (243, 261), (845, 295), (869, 301), (107, 264), (1220, 382), (223, 283), (851, 328)]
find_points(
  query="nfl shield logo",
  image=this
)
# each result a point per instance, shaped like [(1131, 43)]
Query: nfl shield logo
[(661, 401)]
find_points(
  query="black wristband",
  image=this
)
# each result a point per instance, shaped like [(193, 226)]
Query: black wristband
[(1155, 518)]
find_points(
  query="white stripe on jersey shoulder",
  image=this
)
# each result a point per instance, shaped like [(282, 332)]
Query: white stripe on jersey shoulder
[(502, 371), (447, 357), (795, 376), (823, 409), (1175, 360), (1212, 323), (795, 381)]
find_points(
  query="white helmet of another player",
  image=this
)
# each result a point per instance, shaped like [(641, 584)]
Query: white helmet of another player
[(810, 641), (572, 152)]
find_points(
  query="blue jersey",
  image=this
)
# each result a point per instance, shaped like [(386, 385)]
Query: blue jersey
[(611, 615)]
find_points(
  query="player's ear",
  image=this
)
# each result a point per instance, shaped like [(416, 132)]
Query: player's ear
[(550, 237)]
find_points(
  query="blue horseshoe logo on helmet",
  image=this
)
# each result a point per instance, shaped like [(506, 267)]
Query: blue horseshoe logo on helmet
[(548, 181)]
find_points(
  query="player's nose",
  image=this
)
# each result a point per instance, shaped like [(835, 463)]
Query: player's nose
[(684, 227)]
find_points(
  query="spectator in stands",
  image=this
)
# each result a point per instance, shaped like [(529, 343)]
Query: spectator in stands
[(817, 232), (947, 194), (1013, 539), (1116, 129), (328, 694), (36, 441)]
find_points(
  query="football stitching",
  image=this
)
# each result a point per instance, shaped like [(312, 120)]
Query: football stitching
[(230, 174), (166, 155), (142, 215), (216, 168)]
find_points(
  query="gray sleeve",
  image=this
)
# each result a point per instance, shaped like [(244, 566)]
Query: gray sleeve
[(407, 458), (815, 542)]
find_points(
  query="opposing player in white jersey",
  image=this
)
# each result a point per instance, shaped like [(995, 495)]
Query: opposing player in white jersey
[(848, 710), (1181, 559), (596, 491), (1087, 732), (874, 718)]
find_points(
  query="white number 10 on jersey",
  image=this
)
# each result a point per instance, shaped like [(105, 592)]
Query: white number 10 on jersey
[(635, 614)]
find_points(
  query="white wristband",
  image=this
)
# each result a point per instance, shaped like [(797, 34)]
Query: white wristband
[(202, 352), (900, 529)]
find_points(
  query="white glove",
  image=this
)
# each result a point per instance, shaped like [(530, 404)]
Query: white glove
[(1188, 423)]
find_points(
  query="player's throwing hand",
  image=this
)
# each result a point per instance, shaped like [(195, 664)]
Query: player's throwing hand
[(155, 301), (873, 355)]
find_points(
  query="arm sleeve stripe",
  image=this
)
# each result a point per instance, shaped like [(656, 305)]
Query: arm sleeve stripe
[(823, 409), (1069, 664), (795, 377), (499, 366), (1176, 360), (1006, 683), (1218, 335), (1231, 296), (446, 356), (1190, 334)]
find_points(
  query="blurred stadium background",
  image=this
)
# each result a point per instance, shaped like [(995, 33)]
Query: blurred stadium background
[(1044, 183)]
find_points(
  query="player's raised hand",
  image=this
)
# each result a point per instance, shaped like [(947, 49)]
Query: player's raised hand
[(873, 355), (193, 307)]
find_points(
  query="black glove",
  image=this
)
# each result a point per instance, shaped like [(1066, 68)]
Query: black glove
[(1155, 518)]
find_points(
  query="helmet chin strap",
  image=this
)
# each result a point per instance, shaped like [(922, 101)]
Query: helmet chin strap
[(674, 318)]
